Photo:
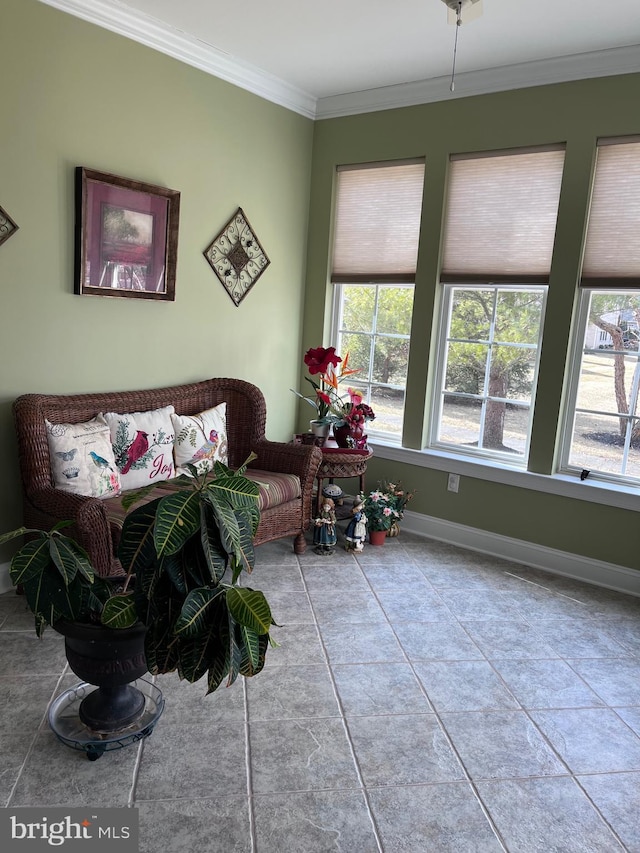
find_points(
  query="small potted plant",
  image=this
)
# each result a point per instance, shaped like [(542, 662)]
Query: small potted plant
[(399, 498), (381, 513)]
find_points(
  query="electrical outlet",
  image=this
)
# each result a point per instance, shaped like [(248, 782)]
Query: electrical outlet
[(453, 482)]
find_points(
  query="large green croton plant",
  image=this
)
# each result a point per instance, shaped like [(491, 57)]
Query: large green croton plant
[(183, 554)]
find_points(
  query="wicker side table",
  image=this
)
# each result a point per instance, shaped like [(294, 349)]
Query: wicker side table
[(338, 462)]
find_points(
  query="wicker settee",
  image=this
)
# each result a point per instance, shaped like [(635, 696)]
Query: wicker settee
[(97, 522)]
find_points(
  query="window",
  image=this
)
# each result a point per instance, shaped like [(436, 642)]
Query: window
[(498, 241), (377, 227), (602, 428), (373, 326), (605, 431), (490, 361)]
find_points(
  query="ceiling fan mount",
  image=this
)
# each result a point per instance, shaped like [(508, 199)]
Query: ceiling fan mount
[(468, 10)]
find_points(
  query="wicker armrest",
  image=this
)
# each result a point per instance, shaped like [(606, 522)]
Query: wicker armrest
[(302, 460), (61, 505), (90, 525)]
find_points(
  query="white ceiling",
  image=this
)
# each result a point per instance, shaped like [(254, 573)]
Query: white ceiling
[(336, 57)]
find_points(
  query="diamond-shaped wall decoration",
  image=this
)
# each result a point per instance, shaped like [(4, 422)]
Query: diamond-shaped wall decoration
[(237, 257), (7, 226)]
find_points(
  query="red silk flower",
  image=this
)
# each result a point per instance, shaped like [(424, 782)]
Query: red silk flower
[(319, 359)]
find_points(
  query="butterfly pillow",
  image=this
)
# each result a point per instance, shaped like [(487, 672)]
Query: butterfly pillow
[(82, 459)]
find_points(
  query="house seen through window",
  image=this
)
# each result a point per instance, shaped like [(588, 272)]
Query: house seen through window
[(602, 428), (605, 432)]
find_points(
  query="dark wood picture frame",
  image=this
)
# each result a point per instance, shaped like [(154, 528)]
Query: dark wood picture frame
[(126, 240)]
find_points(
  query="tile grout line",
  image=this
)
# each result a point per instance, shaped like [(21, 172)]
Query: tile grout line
[(247, 751), (34, 739), (343, 719), (570, 773), (468, 778)]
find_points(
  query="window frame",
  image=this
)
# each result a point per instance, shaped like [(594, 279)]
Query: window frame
[(574, 372), (438, 393), (337, 333)]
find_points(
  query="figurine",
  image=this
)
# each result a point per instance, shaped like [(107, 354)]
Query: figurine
[(324, 532), (356, 531)]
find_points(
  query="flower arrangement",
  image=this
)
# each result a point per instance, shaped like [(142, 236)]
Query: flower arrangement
[(398, 497), (352, 412), (330, 369), (380, 510)]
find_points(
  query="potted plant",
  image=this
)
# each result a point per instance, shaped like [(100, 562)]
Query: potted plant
[(322, 362), (350, 419), (381, 513), (179, 605), (398, 498)]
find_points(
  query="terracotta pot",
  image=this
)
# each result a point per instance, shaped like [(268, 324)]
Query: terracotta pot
[(377, 537)]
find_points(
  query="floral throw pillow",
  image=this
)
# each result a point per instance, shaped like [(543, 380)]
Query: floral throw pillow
[(201, 439), (142, 446), (82, 460)]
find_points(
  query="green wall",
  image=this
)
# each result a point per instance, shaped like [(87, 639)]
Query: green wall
[(79, 95), (75, 94), (572, 113)]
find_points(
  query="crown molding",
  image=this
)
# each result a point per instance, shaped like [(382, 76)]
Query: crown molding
[(581, 66), (119, 18)]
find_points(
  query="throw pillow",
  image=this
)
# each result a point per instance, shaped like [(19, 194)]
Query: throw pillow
[(201, 439), (142, 446), (82, 460)]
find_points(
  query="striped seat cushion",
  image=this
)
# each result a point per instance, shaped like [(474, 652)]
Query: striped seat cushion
[(275, 489)]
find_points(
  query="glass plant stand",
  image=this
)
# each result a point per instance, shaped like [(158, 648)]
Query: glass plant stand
[(66, 724)]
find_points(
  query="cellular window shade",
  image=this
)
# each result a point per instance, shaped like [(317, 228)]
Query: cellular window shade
[(377, 222), (612, 248), (501, 216)]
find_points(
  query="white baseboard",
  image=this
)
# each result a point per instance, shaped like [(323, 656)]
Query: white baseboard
[(585, 569), (591, 571), (5, 580)]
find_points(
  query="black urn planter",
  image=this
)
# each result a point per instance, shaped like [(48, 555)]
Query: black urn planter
[(110, 658)]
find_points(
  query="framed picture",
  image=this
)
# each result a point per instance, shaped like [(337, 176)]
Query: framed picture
[(126, 237)]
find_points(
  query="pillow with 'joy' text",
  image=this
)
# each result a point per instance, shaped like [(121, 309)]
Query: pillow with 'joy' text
[(142, 446)]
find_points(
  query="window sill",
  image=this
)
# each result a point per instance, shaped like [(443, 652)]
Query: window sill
[(594, 491)]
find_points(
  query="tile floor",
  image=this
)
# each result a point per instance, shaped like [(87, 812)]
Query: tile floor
[(423, 698)]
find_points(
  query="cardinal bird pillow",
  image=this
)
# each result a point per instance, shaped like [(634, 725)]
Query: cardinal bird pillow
[(142, 446), (201, 439), (82, 460)]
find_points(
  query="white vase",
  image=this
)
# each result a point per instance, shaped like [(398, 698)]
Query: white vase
[(320, 428)]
